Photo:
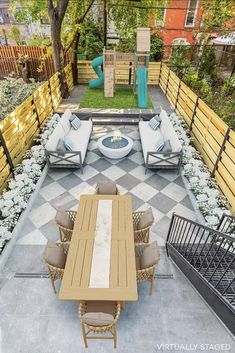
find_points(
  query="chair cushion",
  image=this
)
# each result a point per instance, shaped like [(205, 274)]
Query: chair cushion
[(63, 219), (155, 122), (54, 255), (107, 307), (146, 219), (75, 122), (98, 319), (167, 146), (150, 256), (68, 143), (137, 263), (61, 147), (107, 188)]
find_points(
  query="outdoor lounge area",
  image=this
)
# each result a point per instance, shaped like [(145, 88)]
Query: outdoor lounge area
[(35, 319)]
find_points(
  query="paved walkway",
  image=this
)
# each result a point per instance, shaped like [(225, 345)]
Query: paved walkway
[(34, 320)]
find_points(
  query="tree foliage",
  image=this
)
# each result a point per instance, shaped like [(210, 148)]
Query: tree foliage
[(217, 12)]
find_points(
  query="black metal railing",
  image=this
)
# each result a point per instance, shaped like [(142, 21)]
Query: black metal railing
[(227, 225), (208, 253)]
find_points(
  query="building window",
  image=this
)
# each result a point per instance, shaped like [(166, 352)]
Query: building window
[(159, 22), (191, 13), (4, 17)]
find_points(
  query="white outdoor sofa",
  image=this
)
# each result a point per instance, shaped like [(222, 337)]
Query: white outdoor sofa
[(149, 137), (79, 138)]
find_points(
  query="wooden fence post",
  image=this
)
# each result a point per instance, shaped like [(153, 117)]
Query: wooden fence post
[(36, 112), (226, 137), (49, 83), (194, 113), (7, 153), (160, 73)]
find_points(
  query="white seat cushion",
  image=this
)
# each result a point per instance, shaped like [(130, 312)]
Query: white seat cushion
[(80, 137), (57, 134), (64, 121)]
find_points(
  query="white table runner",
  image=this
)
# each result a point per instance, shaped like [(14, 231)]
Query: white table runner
[(100, 266)]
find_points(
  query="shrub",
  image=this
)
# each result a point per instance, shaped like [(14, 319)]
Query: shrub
[(12, 93), (157, 48), (179, 60)]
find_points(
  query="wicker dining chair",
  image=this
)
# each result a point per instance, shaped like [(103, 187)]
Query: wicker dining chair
[(145, 267), (92, 313), (55, 258), (140, 235), (66, 233), (106, 186)]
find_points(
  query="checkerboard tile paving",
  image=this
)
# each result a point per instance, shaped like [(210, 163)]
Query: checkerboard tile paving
[(164, 191)]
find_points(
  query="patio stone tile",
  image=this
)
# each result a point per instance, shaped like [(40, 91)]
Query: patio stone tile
[(169, 175), (100, 165), (174, 191), (57, 174), (39, 201), (134, 135), (47, 181), (161, 227), (136, 202), (69, 181), (88, 172), (143, 191), (139, 172), (27, 228), (137, 157), (83, 188), (179, 181), (97, 178), (187, 203), (137, 145), (128, 181), (92, 145), (51, 191), (50, 231), (41, 215), (33, 238), (182, 211), (158, 182), (126, 164), (66, 200), (162, 202), (114, 172), (91, 157)]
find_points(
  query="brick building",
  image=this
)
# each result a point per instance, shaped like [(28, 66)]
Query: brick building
[(177, 23)]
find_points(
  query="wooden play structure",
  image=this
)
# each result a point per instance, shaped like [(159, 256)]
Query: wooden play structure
[(138, 60)]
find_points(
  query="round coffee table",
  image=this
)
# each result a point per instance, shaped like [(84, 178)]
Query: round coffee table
[(115, 149)]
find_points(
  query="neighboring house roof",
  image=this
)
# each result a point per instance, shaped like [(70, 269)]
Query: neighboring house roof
[(228, 39)]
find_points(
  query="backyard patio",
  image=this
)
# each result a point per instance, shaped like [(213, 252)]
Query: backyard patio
[(33, 319)]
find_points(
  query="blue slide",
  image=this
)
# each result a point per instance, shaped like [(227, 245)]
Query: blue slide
[(96, 65), (142, 87)]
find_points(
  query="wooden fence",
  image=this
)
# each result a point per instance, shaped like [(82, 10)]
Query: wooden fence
[(124, 72), (212, 137), (18, 130), (41, 67)]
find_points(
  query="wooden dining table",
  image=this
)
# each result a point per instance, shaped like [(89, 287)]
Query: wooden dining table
[(101, 259)]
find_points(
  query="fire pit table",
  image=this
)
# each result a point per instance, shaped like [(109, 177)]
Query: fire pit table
[(115, 145)]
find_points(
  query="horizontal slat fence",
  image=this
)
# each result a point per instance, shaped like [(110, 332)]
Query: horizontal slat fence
[(212, 137), (17, 130), (124, 71)]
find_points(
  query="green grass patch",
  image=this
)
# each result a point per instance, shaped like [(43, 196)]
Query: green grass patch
[(124, 98)]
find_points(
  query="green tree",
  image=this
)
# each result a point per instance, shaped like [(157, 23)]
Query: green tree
[(91, 40), (16, 35), (157, 48), (216, 13), (179, 60)]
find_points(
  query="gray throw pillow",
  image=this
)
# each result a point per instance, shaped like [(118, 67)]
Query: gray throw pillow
[(146, 219), (150, 256), (167, 147), (61, 147), (75, 121)]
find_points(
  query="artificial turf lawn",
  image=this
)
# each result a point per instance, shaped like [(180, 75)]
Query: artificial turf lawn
[(124, 98)]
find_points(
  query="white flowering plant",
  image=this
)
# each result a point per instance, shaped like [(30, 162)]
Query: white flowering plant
[(209, 199), (14, 199)]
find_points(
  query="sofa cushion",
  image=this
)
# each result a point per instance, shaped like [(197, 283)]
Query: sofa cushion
[(108, 307), (137, 263), (68, 144), (75, 122), (167, 147), (98, 319), (54, 255), (63, 219), (150, 256), (169, 133), (64, 121), (107, 188), (160, 143), (146, 219), (80, 138), (154, 123), (61, 147), (57, 134)]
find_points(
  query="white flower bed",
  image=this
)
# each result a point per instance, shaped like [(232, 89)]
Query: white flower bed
[(14, 200), (209, 199)]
